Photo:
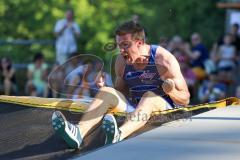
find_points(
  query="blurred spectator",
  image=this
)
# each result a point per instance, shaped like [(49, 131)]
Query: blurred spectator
[(234, 31), (57, 80), (180, 56), (188, 74), (227, 53), (66, 30), (88, 79), (108, 79), (74, 69), (37, 75), (211, 89), (227, 59), (210, 64), (199, 51), (75, 89), (235, 36), (7, 77), (198, 55), (175, 43)]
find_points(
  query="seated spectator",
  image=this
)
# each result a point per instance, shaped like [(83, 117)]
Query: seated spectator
[(234, 31), (74, 69), (37, 75), (88, 79), (211, 89), (227, 59), (235, 36), (175, 43), (198, 55), (210, 64), (227, 53), (87, 86), (7, 77), (56, 84), (180, 56)]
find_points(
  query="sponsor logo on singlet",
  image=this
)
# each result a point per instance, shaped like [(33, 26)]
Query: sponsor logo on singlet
[(147, 75)]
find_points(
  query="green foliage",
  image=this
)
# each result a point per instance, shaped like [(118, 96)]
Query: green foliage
[(27, 19), (185, 17)]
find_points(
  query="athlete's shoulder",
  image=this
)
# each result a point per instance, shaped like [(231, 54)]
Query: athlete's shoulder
[(163, 55), (162, 52)]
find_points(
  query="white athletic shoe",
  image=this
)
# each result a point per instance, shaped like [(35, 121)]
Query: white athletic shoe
[(109, 126), (69, 132)]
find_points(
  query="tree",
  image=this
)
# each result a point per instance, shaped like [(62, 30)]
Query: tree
[(27, 19)]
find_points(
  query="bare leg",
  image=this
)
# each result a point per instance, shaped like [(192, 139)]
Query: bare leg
[(105, 99), (45, 92), (30, 89), (7, 86), (150, 102)]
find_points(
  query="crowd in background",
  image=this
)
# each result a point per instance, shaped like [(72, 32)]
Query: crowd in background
[(211, 74)]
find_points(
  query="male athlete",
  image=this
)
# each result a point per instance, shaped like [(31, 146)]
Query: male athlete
[(148, 79)]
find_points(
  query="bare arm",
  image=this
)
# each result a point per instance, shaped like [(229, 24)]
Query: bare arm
[(61, 31), (169, 69), (45, 74), (30, 75), (77, 34), (119, 70), (9, 74), (71, 26), (192, 55)]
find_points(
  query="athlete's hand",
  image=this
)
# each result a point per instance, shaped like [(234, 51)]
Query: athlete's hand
[(168, 85), (100, 82)]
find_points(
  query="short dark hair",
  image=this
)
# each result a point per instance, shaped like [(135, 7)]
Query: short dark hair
[(130, 27), (236, 25), (8, 61), (38, 56)]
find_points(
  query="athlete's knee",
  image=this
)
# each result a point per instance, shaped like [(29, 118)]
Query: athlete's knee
[(106, 89), (108, 93)]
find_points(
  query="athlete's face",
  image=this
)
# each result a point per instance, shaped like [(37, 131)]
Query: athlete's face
[(128, 47)]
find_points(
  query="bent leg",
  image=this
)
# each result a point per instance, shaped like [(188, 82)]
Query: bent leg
[(149, 103), (30, 89), (105, 99), (74, 134)]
